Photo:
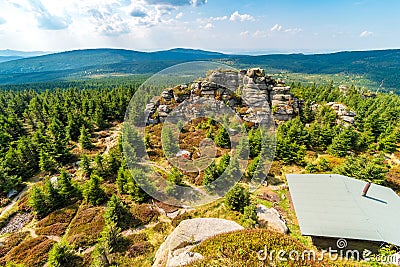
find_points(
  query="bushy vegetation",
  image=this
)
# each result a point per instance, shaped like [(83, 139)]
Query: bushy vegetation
[(237, 198), (241, 248), (38, 126), (43, 131)]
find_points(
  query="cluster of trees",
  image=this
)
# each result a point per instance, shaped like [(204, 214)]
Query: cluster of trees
[(115, 216), (54, 194), (238, 199), (39, 128), (376, 128)]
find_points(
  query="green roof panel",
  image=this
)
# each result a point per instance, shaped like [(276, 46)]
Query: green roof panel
[(332, 205)]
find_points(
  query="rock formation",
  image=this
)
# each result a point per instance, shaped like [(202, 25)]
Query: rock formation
[(248, 88), (272, 218), (346, 115), (175, 251)]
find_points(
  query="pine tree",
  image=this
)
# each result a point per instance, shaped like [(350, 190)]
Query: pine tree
[(93, 193), (252, 169), (58, 141), (223, 164), (37, 200), (255, 142), (99, 118), (250, 216), (85, 164), (136, 183), (121, 181), (46, 162), (65, 186), (210, 174), (169, 143), (175, 176), (111, 235), (53, 198), (388, 143), (306, 113), (116, 211), (237, 198), (222, 138), (84, 138), (61, 255), (343, 142)]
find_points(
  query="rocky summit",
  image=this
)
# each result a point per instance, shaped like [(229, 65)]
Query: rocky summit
[(253, 94)]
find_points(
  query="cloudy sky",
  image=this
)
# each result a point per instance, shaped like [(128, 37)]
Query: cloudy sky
[(260, 26)]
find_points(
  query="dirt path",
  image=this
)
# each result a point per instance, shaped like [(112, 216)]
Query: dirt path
[(32, 232), (112, 140), (14, 200), (30, 183)]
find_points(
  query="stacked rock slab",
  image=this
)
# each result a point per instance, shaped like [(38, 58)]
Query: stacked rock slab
[(259, 92), (266, 95)]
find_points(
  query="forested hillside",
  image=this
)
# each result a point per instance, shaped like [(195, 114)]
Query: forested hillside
[(381, 66), (95, 213)]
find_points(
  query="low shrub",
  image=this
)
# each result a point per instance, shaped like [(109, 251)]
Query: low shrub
[(86, 227), (139, 248), (31, 252), (181, 217), (144, 213), (11, 241), (241, 248)]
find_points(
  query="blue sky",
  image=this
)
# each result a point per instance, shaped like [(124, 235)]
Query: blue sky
[(260, 26)]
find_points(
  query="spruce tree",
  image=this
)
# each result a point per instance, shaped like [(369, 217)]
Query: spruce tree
[(223, 164), (37, 200), (46, 162), (61, 255), (53, 197), (93, 193), (210, 173), (84, 138), (85, 165), (169, 143), (237, 198), (65, 186), (116, 211), (222, 138)]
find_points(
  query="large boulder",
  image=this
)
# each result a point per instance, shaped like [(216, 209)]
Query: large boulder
[(175, 251), (272, 218)]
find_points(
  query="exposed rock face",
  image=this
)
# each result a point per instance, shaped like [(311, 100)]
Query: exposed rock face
[(346, 115), (175, 251), (273, 218), (16, 222), (259, 91)]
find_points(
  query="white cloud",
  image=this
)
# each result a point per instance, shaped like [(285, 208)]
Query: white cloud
[(241, 17), (245, 34), (366, 34), (177, 2), (108, 22), (276, 28), (260, 34), (45, 20), (222, 18), (207, 26), (2, 21), (179, 15), (293, 30)]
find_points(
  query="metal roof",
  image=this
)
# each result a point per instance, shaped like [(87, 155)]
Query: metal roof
[(331, 205)]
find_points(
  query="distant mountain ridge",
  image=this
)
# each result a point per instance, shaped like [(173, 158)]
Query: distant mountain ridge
[(377, 65), (22, 54)]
